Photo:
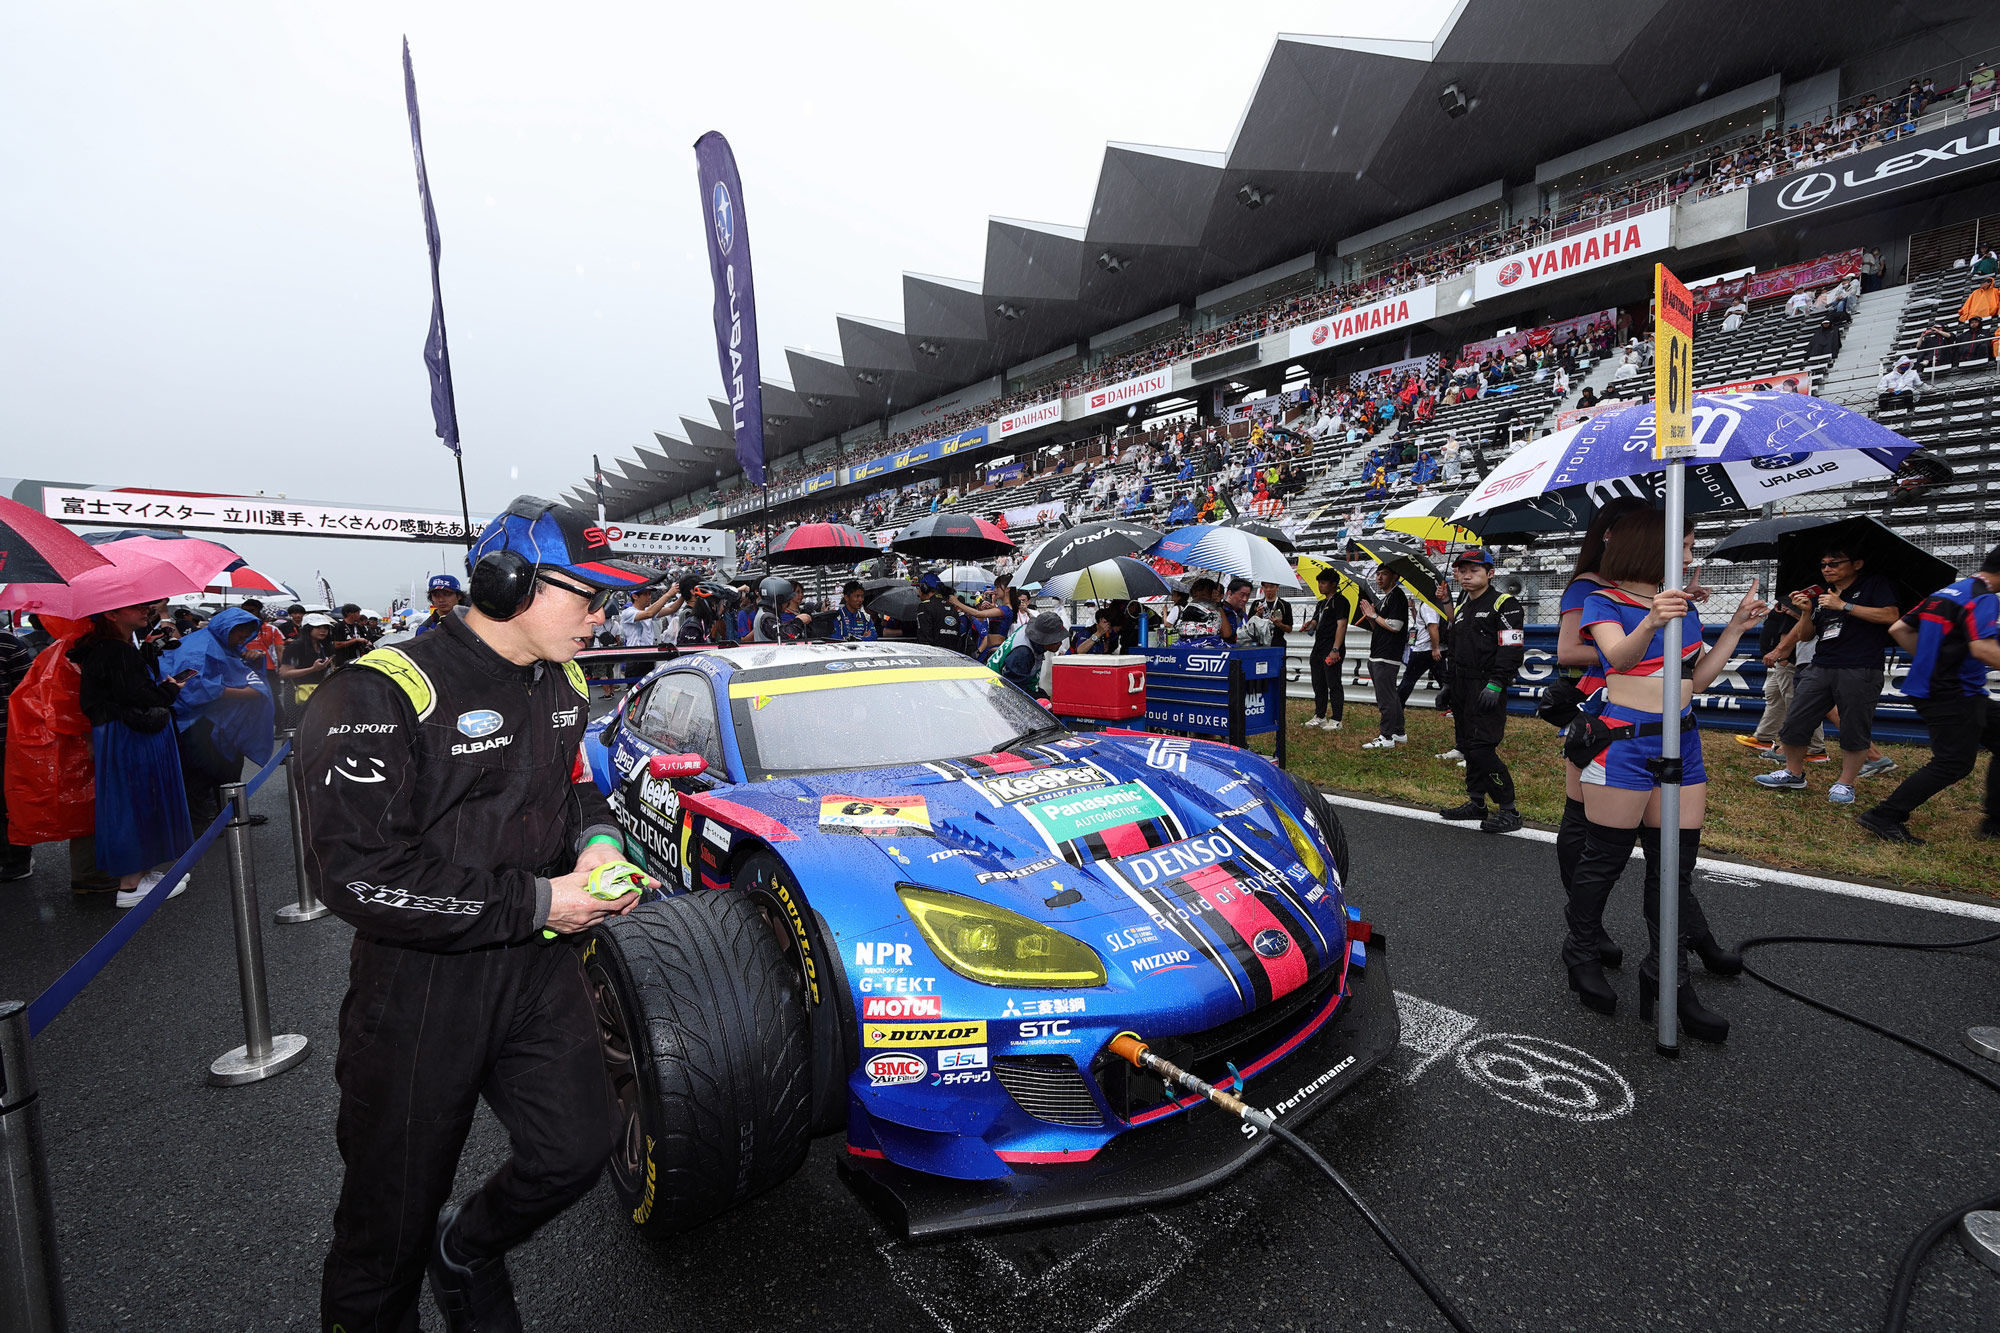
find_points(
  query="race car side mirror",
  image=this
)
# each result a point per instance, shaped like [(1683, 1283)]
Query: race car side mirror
[(676, 766)]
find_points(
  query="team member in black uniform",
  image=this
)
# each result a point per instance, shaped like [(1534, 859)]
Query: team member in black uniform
[(441, 821), (1483, 650)]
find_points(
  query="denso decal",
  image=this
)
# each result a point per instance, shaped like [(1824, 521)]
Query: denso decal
[(1019, 786), (902, 1006), (1150, 868), (895, 1067), (925, 1034)]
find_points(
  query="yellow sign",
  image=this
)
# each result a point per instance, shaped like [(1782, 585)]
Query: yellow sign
[(874, 818), (1673, 367), (923, 1034)]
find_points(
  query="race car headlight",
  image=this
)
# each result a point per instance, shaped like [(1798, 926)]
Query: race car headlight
[(997, 947), (1303, 844)]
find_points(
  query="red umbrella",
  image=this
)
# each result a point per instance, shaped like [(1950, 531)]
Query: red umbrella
[(240, 577), (952, 537), (819, 544), (34, 549), (128, 579)]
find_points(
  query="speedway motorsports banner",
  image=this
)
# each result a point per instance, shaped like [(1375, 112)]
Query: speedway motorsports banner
[(1393, 312), (1111, 396), (196, 511), (693, 543), (1611, 244)]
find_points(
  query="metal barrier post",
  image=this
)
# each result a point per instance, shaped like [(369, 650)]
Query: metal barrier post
[(308, 907), (261, 1055), (31, 1293)]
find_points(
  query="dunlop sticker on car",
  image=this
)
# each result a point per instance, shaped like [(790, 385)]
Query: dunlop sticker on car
[(906, 817), (1066, 817), (923, 1034)]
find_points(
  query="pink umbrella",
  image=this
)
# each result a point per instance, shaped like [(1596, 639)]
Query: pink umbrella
[(131, 579), (199, 560)]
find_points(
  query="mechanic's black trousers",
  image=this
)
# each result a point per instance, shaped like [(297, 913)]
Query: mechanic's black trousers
[(1477, 736), (1960, 729), (423, 1036)]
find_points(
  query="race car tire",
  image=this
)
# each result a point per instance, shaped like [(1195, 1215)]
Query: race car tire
[(770, 884), (1329, 823), (704, 1033)]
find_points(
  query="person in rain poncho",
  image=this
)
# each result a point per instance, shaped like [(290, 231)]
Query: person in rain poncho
[(224, 713)]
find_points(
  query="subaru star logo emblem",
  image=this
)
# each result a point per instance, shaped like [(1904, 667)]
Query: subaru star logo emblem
[(725, 218), (1806, 191), (1272, 943), (1777, 462), (479, 722)]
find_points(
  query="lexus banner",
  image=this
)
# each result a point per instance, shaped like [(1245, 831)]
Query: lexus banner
[(1910, 161)]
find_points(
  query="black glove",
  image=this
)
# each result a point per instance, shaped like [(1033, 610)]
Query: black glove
[(1491, 699)]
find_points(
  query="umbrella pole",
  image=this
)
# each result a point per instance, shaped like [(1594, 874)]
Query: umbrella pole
[(1667, 1038)]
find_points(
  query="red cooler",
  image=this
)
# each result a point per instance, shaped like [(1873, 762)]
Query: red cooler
[(1098, 686)]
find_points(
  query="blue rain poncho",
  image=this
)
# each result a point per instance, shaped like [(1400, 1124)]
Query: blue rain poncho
[(243, 728)]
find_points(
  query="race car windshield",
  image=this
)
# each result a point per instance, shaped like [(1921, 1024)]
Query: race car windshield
[(886, 724)]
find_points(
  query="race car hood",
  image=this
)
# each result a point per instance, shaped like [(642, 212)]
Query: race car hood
[(1166, 856)]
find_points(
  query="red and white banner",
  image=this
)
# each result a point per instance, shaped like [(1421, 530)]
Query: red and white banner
[(1545, 335), (1390, 313), (1611, 244), (1126, 391), (1790, 381), (1041, 414), (1779, 281), (1032, 516)]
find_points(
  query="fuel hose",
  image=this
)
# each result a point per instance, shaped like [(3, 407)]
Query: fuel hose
[(1130, 1047)]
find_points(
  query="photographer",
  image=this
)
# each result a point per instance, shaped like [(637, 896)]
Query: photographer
[(350, 637)]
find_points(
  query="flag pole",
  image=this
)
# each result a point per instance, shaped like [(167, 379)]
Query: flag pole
[(1673, 442)]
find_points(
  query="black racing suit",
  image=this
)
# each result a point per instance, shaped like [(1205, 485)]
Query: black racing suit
[(438, 803), (1484, 644)]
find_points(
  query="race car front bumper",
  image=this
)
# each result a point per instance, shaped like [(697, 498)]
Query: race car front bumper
[(1158, 1162)]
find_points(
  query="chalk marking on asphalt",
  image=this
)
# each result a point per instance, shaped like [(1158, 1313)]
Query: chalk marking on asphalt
[(1479, 1059), (1727, 872), (1431, 1030), (1152, 1284)]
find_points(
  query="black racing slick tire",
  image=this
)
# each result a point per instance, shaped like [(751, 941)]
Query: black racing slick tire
[(1330, 826), (705, 1041), (770, 884)]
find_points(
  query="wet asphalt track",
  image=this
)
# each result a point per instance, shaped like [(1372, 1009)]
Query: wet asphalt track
[(1766, 1184)]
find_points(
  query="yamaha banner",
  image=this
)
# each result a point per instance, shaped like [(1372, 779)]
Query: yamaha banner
[(735, 299), (1911, 159)]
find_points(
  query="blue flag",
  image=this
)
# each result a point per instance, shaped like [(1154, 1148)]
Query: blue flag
[(437, 355), (735, 299)]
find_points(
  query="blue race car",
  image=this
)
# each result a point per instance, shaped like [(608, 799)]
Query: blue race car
[(905, 902)]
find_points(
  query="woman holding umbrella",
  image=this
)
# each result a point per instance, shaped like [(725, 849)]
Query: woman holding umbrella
[(142, 812), (1617, 751)]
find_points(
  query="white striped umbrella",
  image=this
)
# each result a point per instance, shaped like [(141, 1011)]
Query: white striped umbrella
[(1227, 551)]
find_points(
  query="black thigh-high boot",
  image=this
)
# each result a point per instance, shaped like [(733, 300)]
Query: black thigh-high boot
[(1696, 1018), (1605, 853), (1695, 932), (1569, 850)]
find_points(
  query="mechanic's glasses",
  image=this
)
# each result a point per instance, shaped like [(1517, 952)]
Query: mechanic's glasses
[(1834, 562), (598, 598)]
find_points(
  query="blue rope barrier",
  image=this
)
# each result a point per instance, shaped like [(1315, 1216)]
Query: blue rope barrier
[(44, 1007)]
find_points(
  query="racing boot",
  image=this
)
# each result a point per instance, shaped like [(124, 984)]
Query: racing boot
[(1695, 933), (1605, 852), (474, 1295), (1474, 808), (1569, 850)]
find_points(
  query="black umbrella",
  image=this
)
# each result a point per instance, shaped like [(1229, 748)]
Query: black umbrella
[(899, 603), (1759, 540), (1407, 563), (952, 537), (1914, 572), (1270, 532), (1082, 546)]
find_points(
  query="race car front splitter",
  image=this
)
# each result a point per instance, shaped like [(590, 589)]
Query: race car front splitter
[(1159, 1162)]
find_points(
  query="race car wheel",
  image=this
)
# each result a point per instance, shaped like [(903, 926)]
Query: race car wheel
[(704, 1034), (1329, 823), (770, 884)]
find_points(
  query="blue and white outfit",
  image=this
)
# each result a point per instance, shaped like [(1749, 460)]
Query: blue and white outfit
[(1623, 763)]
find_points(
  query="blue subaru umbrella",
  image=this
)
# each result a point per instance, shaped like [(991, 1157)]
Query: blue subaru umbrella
[(1226, 550), (1752, 449)]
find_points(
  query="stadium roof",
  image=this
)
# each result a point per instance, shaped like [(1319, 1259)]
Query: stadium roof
[(1340, 135)]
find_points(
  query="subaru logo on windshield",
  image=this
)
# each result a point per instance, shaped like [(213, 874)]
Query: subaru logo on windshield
[(725, 218), (1272, 943), (1777, 462), (479, 722)]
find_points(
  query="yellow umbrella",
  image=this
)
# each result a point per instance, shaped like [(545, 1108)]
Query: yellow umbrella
[(1352, 587), (1429, 519)]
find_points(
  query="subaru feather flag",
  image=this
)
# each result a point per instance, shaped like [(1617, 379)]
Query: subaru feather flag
[(735, 299), (437, 355)]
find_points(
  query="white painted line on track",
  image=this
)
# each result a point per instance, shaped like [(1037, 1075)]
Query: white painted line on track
[(1726, 869)]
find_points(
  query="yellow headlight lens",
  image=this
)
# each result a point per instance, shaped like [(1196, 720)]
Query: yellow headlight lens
[(997, 947), (1303, 844)]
